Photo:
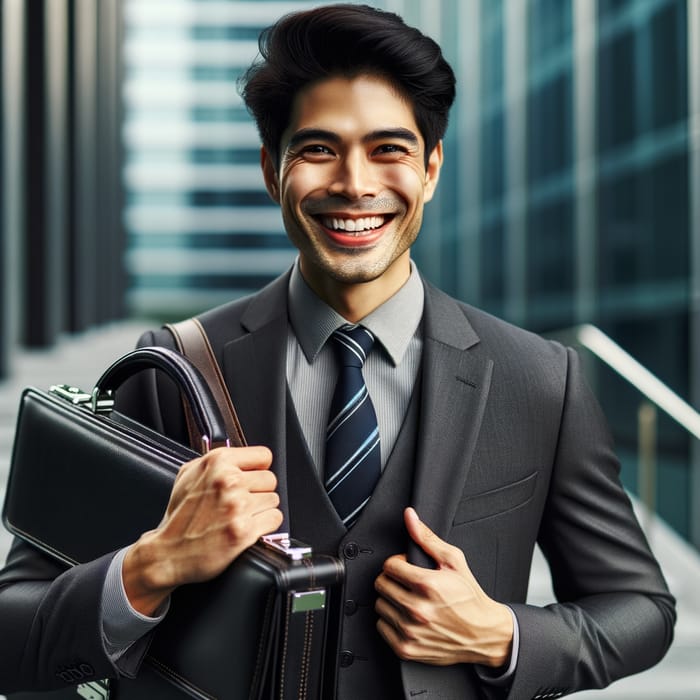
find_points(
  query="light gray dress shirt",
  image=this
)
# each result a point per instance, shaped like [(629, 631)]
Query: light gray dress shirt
[(390, 370)]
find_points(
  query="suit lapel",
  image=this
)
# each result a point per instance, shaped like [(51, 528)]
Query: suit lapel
[(456, 379)]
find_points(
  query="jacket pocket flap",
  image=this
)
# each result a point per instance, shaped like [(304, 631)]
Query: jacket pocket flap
[(495, 502)]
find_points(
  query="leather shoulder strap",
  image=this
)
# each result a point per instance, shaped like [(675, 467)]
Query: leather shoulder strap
[(192, 341)]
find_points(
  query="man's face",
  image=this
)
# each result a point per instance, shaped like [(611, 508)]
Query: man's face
[(352, 183)]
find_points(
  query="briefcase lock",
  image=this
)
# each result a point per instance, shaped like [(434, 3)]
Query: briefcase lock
[(282, 543)]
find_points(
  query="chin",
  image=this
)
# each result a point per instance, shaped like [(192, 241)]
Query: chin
[(358, 273)]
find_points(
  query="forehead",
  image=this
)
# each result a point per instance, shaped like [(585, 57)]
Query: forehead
[(351, 106)]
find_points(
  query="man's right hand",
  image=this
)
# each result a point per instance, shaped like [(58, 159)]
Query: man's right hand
[(220, 505)]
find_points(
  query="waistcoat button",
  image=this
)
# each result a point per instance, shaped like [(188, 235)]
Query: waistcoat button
[(351, 550), (346, 658)]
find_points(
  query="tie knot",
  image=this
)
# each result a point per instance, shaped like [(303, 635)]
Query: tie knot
[(352, 343)]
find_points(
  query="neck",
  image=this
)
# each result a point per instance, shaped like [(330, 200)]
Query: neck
[(356, 300)]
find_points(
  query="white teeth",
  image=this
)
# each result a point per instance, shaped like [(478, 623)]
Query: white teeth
[(354, 225)]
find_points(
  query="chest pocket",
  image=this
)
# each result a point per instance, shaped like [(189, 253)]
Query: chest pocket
[(496, 502)]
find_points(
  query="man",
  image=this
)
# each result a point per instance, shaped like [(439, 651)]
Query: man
[(489, 440)]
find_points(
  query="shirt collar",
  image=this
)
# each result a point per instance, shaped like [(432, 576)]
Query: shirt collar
[(393, 323)]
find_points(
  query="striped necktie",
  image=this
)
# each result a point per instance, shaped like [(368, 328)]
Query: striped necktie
[(353, 459)]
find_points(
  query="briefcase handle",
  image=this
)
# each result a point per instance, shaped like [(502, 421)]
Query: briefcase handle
[(189, 379)]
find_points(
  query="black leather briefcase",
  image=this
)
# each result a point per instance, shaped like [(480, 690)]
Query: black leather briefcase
[(85, 480)]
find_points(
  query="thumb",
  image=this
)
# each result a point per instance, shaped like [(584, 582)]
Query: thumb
[(439, 550)]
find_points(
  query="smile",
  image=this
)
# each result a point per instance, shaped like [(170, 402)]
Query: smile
[(357, 226)]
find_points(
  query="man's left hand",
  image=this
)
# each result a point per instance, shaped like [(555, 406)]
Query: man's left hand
[(440, 616)]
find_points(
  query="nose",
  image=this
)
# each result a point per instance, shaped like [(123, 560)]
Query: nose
[(354, 177)]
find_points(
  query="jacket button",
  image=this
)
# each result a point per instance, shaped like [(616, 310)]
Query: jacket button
[(350, 607), (351, 550), (346, 658)]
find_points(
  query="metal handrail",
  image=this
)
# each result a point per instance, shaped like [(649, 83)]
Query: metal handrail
[(605, 348)]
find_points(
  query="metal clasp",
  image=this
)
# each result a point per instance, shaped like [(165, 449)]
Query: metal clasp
[(99, 402), (207, 444), (70, 393), (292, 549)]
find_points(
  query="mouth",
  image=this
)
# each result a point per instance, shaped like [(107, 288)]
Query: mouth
[(355, 231)]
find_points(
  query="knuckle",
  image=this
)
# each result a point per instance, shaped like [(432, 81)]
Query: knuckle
[(405, 650), (238, 527), (419, 612)]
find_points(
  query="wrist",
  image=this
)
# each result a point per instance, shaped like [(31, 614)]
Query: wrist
[(144, 577), (500, 649)]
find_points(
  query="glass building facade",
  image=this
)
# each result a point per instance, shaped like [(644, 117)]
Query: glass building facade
[(569, 195), (201, 228)]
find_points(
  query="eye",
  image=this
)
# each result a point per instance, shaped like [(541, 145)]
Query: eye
[(316, 149), (390, 149)]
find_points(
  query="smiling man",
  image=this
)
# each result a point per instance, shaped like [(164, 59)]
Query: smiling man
[(465, 440)]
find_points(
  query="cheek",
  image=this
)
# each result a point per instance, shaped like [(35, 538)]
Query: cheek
[(408, 182), (302, 182)]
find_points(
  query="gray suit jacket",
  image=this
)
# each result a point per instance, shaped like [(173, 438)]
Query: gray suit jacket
[(512, 450)]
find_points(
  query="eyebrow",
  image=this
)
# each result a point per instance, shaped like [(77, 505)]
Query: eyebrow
[(324, 135)]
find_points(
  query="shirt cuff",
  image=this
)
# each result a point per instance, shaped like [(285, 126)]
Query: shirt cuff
[(487, 675), (121, 624)]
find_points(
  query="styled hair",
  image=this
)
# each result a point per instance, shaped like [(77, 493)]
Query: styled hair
[(346, 40)]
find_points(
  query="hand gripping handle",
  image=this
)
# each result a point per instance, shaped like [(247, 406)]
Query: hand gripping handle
[(189, 379)]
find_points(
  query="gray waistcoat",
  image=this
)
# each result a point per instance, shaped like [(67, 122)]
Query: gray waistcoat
[(368, 668)]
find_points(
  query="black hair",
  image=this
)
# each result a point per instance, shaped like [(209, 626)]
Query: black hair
[(346, 40)]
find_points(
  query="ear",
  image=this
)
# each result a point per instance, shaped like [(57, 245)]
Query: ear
[(432, 171), (270, 176)]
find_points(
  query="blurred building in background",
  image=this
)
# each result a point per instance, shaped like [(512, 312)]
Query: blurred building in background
[(201, 227), (570, 192)]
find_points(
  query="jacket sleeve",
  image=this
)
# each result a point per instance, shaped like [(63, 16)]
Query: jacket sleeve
[(614, 615), (51, 627)]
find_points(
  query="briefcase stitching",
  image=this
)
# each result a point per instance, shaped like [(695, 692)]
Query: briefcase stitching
[(308, 636), (174, 677), (285, 644), (306, 655)]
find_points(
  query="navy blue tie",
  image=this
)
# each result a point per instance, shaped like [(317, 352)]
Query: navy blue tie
[(353, 458)]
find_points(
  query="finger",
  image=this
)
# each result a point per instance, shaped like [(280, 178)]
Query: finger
[(392, 590), (389, 613), (258, 481), (256, 457), (442, 552), (388, 633), (402, 572), (389, 622), (269, 521), (263, 502), (263, 523)]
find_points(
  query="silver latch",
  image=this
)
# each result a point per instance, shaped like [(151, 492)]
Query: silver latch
[(70, 393), (282, 543), (99, 402)]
